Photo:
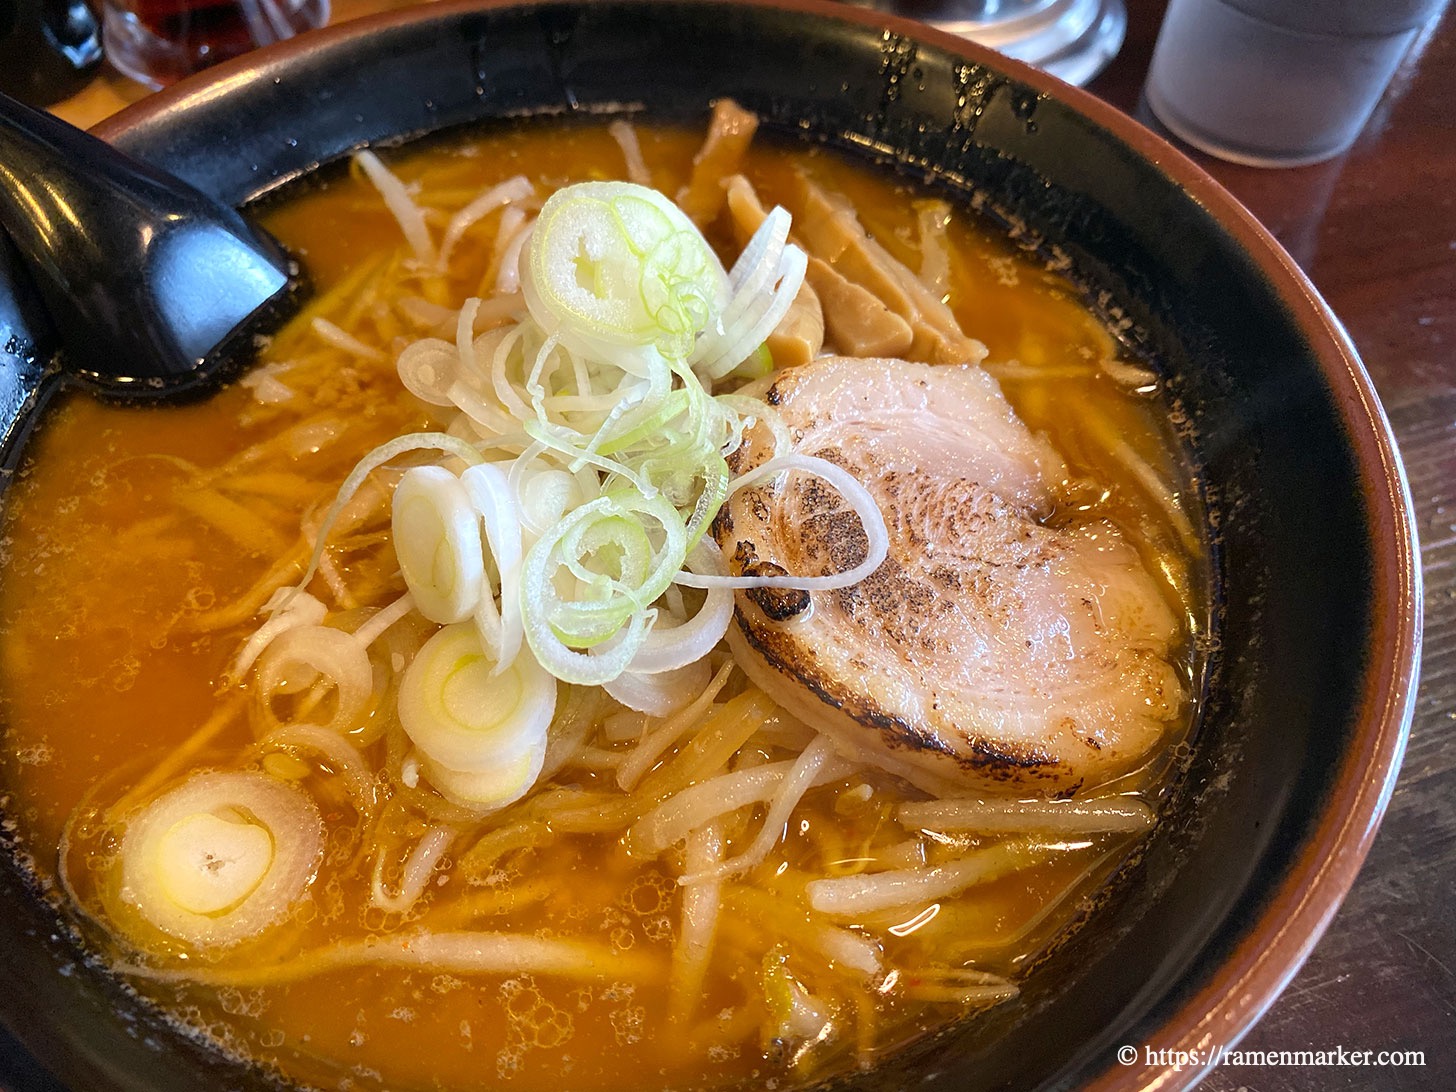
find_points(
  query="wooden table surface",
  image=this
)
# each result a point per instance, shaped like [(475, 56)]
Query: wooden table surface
[(1376, 231)]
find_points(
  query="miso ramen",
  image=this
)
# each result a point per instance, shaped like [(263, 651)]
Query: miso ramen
[(667, 615)]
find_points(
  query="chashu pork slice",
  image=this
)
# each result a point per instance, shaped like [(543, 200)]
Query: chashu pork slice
[(990, 650)]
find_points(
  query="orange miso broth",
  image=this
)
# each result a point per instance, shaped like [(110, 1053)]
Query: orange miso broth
[(142, 545)]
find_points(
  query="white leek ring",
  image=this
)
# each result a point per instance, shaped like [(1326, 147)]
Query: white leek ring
[(670, 647), (611, 265), (340, 658), (464, 717), (222, 857), (494, 501), (437, 542), (503, 782)]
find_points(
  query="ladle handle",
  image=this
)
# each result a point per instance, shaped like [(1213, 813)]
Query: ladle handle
[(143, 275)]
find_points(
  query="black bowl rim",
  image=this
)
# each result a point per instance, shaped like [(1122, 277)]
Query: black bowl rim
[(1272, 950)]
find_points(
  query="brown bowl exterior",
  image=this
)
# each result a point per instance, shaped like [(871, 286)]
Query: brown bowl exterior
[(1314, 600)]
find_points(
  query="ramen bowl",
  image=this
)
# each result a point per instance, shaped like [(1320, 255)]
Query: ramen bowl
[(1308, 664)]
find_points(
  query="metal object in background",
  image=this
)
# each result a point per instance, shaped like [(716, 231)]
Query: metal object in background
[(1072, 39)]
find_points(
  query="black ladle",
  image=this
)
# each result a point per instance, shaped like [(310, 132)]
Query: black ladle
[(148, 287)]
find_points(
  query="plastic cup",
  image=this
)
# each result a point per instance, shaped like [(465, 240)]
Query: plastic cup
[(1278, 83)]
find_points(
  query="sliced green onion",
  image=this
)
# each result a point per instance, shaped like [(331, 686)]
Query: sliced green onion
[(662, 694), (668, 647), (298, 659), (503, 782), (294, 610), (605, 546), (437, 541), (764, 281), (392, 449), (495, 502), (545, 495), (604, 381), (594, 668), (465, 717), (221, 857), (612, 266), (427, 368)]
